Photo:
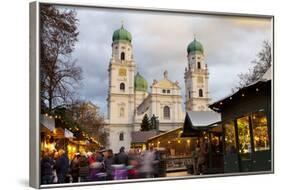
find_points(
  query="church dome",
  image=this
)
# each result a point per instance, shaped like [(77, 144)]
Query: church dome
[(195, 46), (140, 83), (121, 34)]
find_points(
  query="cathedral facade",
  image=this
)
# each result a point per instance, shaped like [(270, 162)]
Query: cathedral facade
[(130, 97)]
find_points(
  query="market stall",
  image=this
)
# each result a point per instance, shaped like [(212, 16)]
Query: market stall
[(246, 121)]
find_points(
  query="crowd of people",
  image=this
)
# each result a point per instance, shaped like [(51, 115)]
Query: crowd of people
[(98, 166)]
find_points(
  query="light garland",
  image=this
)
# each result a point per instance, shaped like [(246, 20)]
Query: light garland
[(75, 128)]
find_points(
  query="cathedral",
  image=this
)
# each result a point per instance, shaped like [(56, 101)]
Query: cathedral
[(130, 96)]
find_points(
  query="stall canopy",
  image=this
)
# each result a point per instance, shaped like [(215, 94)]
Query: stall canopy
[(197, 121)]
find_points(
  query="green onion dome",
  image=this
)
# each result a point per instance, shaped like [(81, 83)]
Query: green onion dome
[(140, 83), (121, 34), (195, 46)]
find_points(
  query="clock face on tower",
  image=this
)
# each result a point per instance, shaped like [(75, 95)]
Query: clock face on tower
[(122, 72)]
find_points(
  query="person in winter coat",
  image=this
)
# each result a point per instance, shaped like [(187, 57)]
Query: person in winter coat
[(121, 157), (202, 157), (47, 164), (62, 166), (147, 161), (133, 164), (108, 162), (91, 158), (83, 168), (74, 166), (156, 164)]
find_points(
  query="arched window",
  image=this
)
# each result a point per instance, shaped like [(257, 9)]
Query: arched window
[(121, 136), (122, 56), (122, 86), (122, 112), (198, 65), (200, 93), (166, 112)]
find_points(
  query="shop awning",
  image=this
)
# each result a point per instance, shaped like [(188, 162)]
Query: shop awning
[(197, 121)]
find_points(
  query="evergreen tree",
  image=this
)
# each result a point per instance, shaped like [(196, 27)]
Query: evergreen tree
[(145, 124)]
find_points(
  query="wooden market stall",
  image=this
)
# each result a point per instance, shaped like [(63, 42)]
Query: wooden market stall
[(181, 142), (246, 121)]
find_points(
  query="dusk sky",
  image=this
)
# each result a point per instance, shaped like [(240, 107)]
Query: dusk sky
[(159, 43)]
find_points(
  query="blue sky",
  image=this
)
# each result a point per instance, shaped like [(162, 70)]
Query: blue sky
[(159, 43)]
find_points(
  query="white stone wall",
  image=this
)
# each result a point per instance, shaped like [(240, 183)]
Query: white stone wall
[(174, 103), (114, 131), (173, 100)]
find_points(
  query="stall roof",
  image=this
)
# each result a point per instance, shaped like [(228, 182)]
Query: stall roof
[(265, 78), (165, 133), (196, 121), (142, 136), (203, 118), (47, 122)]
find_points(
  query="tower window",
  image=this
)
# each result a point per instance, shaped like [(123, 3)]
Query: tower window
[(168, 91), (121, 136), (198, 65), (122, 86), (200, 93), (122, 112), (122, 56), (166, 112), (163, 91)]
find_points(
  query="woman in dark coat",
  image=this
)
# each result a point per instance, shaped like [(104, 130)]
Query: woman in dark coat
[(62, 166), (47, 164)]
